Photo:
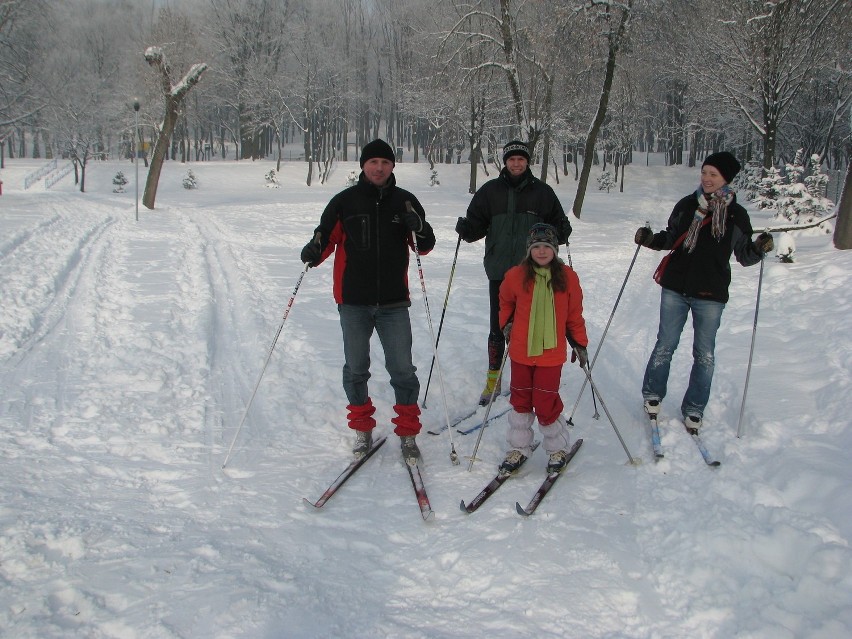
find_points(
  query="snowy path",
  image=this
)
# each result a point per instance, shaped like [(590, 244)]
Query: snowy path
[(128, 352)]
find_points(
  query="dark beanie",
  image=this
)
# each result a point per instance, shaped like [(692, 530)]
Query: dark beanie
[(377, 149), (515, 147), (726, 163), (541, 233)]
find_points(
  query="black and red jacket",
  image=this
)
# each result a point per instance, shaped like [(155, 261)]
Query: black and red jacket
[(364, 227)]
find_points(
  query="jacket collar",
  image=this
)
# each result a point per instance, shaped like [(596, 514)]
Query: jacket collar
[(365, 183), (519, 182)]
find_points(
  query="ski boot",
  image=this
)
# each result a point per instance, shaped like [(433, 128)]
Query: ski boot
[(363, 443), (410, 451), (514, 460)]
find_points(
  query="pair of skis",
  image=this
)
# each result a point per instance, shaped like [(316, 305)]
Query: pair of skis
[(426, 511), (413, 472), (501, 477), (467, 431), (693, 433)]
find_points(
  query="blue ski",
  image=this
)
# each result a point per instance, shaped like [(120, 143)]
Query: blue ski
[(708, 459), (440, 429), (655, 438)]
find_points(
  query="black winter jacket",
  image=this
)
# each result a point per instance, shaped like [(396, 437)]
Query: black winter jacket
[(364, 227), (503, 210), (706, 272)]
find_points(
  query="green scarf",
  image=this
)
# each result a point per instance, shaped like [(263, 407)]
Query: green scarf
[(542, 330)]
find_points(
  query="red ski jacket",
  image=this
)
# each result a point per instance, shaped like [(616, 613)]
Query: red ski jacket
[(515, 303)]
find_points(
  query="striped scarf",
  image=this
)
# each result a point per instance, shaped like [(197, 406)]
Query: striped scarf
[(717, 206)]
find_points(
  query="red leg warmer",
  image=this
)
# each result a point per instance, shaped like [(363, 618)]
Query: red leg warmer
[(407, 421), (361, 417)]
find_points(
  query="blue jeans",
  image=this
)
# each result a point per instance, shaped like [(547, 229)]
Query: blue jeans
[(706, 317), (394, 328)]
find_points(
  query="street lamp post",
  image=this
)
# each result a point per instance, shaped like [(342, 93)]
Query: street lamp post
[(136, 150)]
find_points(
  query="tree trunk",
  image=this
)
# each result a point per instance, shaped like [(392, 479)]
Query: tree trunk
[(843, 228), (769, 137), (173, 98), (545, 155), (615, 41), (159, 156)]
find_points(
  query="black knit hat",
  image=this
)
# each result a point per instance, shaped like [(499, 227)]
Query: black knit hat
[(726, 163), (377, 149), (515, 147), (541, 233)]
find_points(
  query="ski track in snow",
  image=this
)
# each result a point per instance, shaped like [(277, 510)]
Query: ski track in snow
[(129, 351)]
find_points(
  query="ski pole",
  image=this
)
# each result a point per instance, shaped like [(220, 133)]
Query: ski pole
[(441, 323), (597, 415), (595, 390), (603, 336), (751, 351), (454, 458), (268, 357), (488, 410)]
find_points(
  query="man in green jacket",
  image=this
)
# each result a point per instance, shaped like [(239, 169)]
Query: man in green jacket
[(502, 211)]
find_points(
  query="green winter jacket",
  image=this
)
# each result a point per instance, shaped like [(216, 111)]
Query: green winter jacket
[(503, 210)]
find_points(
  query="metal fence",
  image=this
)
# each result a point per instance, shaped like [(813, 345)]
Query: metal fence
[(39, 173), (50, 180)]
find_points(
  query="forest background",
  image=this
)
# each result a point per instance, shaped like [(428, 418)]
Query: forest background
[(583, 81)]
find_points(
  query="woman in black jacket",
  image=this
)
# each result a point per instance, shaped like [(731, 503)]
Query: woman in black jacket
[(704, 229)]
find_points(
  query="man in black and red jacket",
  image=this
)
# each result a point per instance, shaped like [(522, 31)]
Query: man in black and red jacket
[(371, 229)]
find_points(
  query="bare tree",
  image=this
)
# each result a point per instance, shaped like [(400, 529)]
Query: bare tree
[(767, 50), (21, 21), (251, 37), (310, 88), (614, 19), (173, 95), (78, 76), (484, 37)]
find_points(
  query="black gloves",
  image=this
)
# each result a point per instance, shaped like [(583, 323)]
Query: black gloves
[(312, 252), (412, 219), (463, 228), (507, 330), (580, 355), (764, 243), (565, 230), (643, 236)]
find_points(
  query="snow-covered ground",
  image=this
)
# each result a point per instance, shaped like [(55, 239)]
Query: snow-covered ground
[(129, 350)]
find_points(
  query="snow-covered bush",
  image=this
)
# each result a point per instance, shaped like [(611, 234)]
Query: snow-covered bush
[(119, 180), (747, 184), (769, 190), (190, 181), (352, 179), (801, 199), (785, 247), (271, 180), (817, 182), (433, 178), (606, 181)]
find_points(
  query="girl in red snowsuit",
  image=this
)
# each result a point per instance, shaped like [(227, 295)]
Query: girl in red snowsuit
[(541, 311)]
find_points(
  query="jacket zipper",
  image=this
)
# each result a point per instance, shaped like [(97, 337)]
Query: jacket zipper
[(378, 248)]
